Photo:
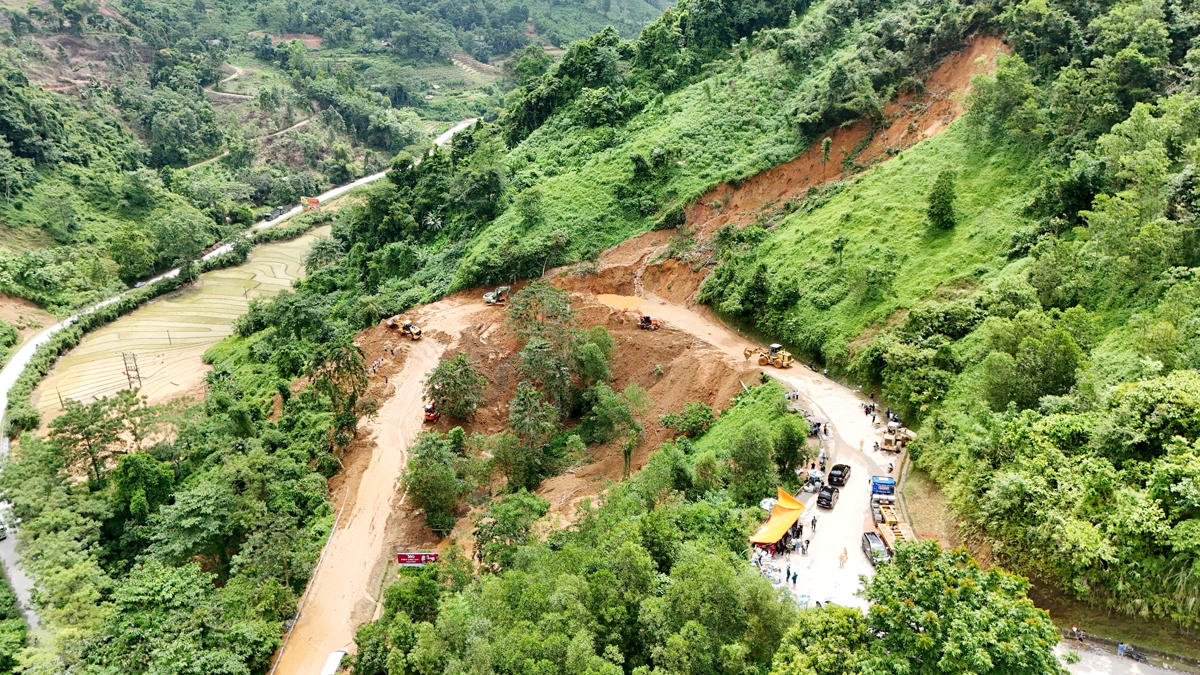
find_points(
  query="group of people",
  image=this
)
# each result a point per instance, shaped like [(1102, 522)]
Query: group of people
[(379, 361), (872, 410)]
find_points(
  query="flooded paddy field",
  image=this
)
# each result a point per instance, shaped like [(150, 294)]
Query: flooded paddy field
[(169, 335)]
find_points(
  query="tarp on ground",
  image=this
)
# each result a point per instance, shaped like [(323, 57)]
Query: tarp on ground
[(784, 514)]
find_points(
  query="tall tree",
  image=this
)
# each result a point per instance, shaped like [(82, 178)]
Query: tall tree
[(339, 373), (753, 475), (88, 433), (431, 480), (505, 526), (941, 201), (939, 613)]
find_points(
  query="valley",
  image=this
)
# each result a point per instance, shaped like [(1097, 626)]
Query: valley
[(615, 374)]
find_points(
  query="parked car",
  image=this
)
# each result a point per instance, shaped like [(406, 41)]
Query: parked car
[(839, 474), (828, 497), (874, 548)]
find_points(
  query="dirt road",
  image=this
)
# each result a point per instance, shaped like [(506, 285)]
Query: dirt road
[(822, 576), (339, 597)]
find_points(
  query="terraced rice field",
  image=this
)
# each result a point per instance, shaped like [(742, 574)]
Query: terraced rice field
[(170, 335)]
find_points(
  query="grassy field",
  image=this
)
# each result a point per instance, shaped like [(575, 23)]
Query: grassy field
[(883, 213)]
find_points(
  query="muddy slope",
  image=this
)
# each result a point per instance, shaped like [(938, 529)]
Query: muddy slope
[(909, 120)]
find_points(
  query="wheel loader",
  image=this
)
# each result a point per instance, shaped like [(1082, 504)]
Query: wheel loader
[(498, 296), (411, 330), (407, 328), (775, 355)]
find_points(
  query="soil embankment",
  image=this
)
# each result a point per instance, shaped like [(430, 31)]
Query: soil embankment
[(910, 119), (25, 316)]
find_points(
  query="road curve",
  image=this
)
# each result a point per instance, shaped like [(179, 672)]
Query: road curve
[(16, 365)]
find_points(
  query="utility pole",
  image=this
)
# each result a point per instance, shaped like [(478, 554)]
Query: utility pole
[(131, 369)]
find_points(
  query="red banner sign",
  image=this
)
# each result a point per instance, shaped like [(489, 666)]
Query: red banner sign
[(416, 559)]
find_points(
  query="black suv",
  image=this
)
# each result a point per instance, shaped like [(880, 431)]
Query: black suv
[(828, 497), (839, 474)]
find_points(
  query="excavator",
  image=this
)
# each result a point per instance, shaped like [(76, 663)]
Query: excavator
[(431, 413), (498, 296), (645, 321), (407, 328), (776, 356)]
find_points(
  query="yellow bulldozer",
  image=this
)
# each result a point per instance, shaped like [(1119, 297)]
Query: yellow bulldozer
[(775, 355), (407, 328)]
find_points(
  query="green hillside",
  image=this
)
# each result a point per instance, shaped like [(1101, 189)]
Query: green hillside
[(232, 120), (1021, 288)]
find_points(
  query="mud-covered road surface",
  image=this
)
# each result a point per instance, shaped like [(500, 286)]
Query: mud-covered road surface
[(339, 597)]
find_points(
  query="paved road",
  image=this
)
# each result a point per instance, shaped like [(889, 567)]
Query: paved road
[(1096, 661), (12, 370)]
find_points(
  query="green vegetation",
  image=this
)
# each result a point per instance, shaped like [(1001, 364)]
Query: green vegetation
[(8, 339), (655, 581), (932, 612), (12, 628), (1022, 286), (456, 387), (202, 523), (1035, 337), (941, 201)]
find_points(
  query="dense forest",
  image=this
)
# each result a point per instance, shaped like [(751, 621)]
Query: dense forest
[(105, 176), (1021, 287)]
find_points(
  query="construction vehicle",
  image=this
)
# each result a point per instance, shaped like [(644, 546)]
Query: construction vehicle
[(895, 533), (407, 328), (431, 413), (498, 296), (883, 485), (645, 321), (412, 330), (776, 356), (896, 438)]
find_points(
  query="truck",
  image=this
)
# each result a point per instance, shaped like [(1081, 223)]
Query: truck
[(883, 485), (895, 533)]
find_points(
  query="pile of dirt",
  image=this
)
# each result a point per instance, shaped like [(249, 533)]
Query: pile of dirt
[(674, 367), (911, 119), (25, 316)]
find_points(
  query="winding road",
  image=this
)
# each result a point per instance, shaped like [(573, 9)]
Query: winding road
[(9, 559)]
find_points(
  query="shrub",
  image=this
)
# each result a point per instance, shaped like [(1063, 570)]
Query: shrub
[(941, 201), (694, 420)]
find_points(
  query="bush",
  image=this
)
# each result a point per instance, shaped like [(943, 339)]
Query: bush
[(941, 201), (693, 421)]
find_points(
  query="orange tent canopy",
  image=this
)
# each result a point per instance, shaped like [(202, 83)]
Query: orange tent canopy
[(784, 514)]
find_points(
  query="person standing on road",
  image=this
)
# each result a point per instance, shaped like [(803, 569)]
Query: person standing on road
[(1120, 649), (844, 558), (814, 524), (804, 547)]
